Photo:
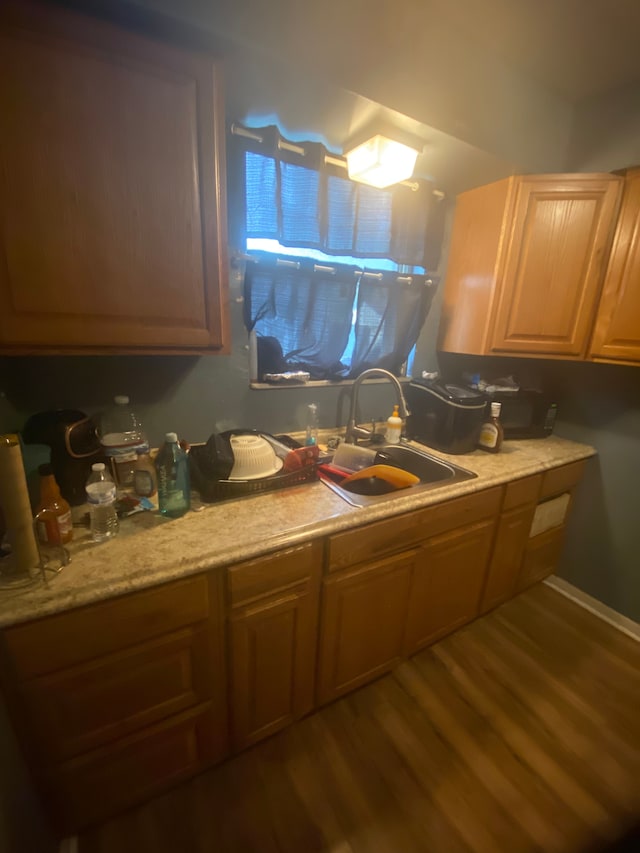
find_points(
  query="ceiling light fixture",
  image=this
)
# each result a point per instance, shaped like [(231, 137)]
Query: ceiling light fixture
[(381, 161)]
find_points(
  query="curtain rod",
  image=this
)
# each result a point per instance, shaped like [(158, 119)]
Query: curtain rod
[(239, 130), (238, 256)]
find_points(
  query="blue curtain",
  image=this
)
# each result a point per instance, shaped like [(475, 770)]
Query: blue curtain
[(302, 314), (303, 311), (391, 310), (302, 201)]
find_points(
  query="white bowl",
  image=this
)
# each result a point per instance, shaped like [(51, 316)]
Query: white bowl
[(253, 458)]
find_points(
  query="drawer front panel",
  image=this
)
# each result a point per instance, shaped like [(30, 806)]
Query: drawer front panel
[(562, 479), (107, 781), (401, 532), (76, 636), (90, 705), (266, 575), (523, 491)]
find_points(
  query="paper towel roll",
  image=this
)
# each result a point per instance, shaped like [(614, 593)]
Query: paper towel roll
[(14, 500)]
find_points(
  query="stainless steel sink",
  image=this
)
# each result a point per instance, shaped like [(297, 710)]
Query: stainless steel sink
[(433, 473)]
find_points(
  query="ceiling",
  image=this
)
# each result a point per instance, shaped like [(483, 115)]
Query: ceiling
[(577, 48), (493, 87)]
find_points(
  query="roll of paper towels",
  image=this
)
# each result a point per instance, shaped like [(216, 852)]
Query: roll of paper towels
[(14, 500)]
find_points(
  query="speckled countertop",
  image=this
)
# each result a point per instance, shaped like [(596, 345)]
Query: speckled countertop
[(151, 550)]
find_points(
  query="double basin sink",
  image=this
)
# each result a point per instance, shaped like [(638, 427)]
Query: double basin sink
[(432, 473)]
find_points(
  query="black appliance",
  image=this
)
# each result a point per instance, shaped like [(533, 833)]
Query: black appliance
[(74, 444), (526, 413), (445, 416)]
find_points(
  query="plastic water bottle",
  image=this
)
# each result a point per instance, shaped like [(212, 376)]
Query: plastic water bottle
[(122, 438), (101, 497), (172, 466)]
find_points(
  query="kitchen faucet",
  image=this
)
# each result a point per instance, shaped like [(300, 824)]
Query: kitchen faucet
[(354, 432)]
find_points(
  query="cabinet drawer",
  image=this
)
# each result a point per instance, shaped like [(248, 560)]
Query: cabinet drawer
[(109, 780), (522, 491), (71, 638), (401, 532), (541, 557), (561, 479), (82, 708), (266, 575)]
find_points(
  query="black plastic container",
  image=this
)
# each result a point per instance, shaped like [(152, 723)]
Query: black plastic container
[(447, 417)]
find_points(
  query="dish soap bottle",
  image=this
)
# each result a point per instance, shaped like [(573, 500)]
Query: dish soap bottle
[(394, 427), (491, 433), (312, 425), (172, 466)]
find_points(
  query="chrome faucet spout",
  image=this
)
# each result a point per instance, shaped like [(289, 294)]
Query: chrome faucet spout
[(354, 432)]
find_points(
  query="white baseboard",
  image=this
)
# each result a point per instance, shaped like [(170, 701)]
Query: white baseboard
[(69, 844), (607, 614)]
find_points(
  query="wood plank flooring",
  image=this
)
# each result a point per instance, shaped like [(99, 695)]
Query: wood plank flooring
[(521, 732)]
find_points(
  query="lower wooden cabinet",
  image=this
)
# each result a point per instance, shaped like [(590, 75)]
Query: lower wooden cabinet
[(117, 701), (447, 583), (510, 544), (363, 622), (273, 651), (133, 769), (541, 557), (272, 641), (80, 709)]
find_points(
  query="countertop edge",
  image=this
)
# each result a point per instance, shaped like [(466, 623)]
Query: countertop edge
[(50, 599)]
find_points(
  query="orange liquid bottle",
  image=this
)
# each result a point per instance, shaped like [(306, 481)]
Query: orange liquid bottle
[(53, 516)]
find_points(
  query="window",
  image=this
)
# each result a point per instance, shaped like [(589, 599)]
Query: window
[(338, 282)]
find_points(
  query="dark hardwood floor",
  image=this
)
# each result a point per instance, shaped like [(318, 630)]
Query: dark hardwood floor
[(520, 732)]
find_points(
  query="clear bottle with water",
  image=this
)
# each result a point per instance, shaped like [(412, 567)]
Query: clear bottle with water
[(122, 438), (101, 497)]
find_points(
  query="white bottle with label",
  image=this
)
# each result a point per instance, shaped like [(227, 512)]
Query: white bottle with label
[(491, 433)]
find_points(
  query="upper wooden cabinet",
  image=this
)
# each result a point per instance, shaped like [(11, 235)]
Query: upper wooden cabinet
[(616, 335), (526, 264), (112, 197)]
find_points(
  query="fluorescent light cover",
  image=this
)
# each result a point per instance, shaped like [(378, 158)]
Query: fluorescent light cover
[(381, 162)]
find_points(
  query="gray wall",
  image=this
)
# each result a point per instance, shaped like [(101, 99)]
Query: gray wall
[(193, 395), (606, 132), (415, 58), (600, 405)]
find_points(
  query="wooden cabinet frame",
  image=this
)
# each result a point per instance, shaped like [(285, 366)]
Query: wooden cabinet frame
[(112, 195)]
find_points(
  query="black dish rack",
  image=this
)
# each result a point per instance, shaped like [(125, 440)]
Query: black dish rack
[(212, 491)]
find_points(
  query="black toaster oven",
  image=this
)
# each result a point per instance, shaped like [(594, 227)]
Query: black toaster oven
[(526, 413)]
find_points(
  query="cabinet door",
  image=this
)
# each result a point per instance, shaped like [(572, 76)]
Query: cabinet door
[(363, 623), (112, 189), (508, 551), (559, 239), (447, 583), (273, 659), (617, 329), (541, 557)]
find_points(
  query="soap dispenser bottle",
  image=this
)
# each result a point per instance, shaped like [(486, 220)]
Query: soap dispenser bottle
[(394, 427)]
